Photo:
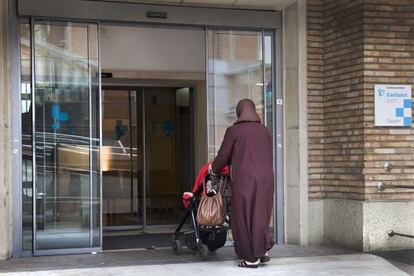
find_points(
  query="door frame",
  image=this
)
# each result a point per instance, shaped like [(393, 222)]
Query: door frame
[(91, 248), (151, 13), (141, 85), (126, 227), (269, 21)]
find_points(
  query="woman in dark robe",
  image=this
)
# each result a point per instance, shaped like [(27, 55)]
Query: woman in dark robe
[(247, 147)]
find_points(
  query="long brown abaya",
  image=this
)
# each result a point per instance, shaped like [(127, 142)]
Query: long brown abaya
[(247, 147)]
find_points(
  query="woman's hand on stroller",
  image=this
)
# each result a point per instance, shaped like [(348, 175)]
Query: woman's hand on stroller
[(210, 168)]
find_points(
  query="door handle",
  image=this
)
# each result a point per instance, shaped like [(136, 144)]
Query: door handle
[(40, 195)]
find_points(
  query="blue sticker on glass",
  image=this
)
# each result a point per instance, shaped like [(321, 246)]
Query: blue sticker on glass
[(58, 116), (55, 111), (168, 128), (407, 121), (63, 116)]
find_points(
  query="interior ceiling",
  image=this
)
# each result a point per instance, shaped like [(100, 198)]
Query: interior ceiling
[(235, 4)]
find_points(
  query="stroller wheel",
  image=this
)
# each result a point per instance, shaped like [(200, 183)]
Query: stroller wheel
[(202, 251), (176, 246), (212, 251)]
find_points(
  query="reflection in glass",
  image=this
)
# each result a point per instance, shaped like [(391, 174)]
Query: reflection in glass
[(235, 72), (268, 73), (27, 161), (167, 155), (268, 88), (239, 66), (168, 152), (66, 132), (122, 199)]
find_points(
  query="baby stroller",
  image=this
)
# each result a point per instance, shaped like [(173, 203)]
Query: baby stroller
[(203, 239)]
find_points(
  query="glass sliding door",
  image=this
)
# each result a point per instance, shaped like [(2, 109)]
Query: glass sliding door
[(167, 152), (122, 158), (239, 66), (146, 152), (66, 137)]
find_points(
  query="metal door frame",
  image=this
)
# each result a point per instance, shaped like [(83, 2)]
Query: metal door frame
[(277, 120), (142, 85), (45, 252), (112, 11)]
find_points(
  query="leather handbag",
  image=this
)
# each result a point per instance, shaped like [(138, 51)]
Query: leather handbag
[(211, 209)]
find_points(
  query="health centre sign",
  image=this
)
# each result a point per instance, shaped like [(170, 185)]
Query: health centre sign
[(393, 105)]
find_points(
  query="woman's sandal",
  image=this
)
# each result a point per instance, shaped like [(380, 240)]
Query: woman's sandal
[(265, 259), (245, 264)]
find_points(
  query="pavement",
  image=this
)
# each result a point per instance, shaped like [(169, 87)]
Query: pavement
[(285, 260), (403, 259)]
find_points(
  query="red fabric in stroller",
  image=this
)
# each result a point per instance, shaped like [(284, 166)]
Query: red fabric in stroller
[(198, 184)]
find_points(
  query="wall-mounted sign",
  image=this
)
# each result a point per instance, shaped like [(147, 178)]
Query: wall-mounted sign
[(393, 105)]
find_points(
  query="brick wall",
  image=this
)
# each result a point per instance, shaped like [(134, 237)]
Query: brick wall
[(315, 97), (335, 72), (388, 59), (352, 45)]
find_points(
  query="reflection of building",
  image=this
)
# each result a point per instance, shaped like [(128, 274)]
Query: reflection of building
[(312, 82), (238, 73)]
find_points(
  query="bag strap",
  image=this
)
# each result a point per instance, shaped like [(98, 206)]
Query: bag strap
[(223, 184), (204, 192)]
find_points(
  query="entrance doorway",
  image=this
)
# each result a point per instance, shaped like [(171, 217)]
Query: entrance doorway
[(146, 161), (111, 153), (148, 130)]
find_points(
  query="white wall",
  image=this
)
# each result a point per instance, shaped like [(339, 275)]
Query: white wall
[(152, 49)]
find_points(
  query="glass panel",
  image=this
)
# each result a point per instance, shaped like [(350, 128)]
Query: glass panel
[(121, 166), (94, 135), (168, 163), (27, 160), (268, 76), (235, 72), (137, 156), (183, 144), (268, 88), (66, 136), (240, 66)]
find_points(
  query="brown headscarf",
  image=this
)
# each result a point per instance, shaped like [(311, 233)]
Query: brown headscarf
[(246, 112)]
